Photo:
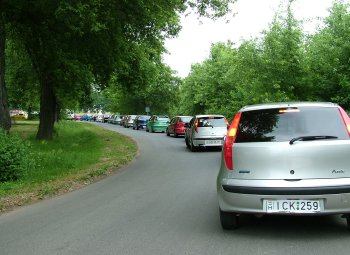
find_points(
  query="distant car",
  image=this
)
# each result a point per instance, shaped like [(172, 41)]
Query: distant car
[(106, 117), (140, 122), (18, 114), (117, 119), (77, 117), (205, 131), (129, 121), (111, 119), (99, 118), (177, 125), (86, 117), (157, 123), (123, 119), (285, 159)]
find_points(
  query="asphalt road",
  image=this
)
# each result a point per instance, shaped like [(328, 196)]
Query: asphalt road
[(164, 202)]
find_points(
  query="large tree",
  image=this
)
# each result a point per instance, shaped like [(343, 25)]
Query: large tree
[(328, 55), (89, 35), (5, 121)]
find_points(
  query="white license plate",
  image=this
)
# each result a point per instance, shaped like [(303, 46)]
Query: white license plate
[(213, 142), (292, 206)]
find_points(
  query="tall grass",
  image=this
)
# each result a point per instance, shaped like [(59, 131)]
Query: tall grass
[(74, 147), (78, 154)]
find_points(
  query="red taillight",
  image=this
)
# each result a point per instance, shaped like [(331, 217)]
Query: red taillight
[(230, 139), (346, 119)]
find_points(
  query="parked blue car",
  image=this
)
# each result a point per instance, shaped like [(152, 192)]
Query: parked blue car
[(86, 117), (140, 122)]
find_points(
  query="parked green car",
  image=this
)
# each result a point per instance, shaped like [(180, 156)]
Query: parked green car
[(157, 123)]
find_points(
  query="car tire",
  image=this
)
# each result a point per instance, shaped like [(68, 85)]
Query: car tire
[(228, 220), (167, 132), (187, 144), (347, 217)]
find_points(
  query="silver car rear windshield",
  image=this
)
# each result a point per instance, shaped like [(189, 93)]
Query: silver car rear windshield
[(212, 122), (280, 125)]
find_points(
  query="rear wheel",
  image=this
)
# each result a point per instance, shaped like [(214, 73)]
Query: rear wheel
[(228, 220), (167, 132), (187, 144), (347, 217)]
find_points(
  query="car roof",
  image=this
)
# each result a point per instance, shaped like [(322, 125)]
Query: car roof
[(286, 104), (209, 115)]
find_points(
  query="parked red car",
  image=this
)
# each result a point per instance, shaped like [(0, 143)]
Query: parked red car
[(177, 125), (77, 117)]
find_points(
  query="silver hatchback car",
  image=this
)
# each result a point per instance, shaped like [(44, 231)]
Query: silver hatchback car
[(285, 158), (205, 131)]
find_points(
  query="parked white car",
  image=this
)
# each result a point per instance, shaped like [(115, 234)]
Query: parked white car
[(205, 131)]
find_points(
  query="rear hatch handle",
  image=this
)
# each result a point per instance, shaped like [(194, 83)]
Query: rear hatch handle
[(311, 138)]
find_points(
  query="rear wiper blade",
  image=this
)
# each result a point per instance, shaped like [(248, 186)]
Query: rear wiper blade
[(310, 138)]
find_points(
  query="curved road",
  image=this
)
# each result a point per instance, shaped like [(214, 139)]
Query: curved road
[(162, 203)]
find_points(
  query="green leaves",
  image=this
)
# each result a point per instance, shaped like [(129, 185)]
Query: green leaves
[(15, 157), (281, 66), (328, 57)]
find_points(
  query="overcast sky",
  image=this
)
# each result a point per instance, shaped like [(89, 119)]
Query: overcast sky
[(252, 17)]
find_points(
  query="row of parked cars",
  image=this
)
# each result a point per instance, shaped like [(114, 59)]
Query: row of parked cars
[(198, 131), (277, 159)]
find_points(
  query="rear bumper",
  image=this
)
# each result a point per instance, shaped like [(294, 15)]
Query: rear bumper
[(180, 131), (159, 128), (208, 141), (287, 191), (243, 199)]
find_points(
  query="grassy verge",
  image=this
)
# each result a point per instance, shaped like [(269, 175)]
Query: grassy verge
[(79, 154)]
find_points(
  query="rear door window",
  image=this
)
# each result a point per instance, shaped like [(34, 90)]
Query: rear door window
[(211, 121), (185, 119), (280, 125)]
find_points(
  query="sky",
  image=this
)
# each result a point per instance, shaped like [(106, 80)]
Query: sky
[(193, 43)]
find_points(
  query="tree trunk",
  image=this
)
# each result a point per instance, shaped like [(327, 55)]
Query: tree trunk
[(47, 109), (5, 120)]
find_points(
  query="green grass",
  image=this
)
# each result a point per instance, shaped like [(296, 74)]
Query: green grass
[(79, 154)]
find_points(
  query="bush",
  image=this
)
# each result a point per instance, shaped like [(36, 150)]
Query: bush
[(14, 157)]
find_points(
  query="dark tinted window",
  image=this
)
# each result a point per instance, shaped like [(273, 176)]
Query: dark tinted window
[(279, 125), (212, 122)]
